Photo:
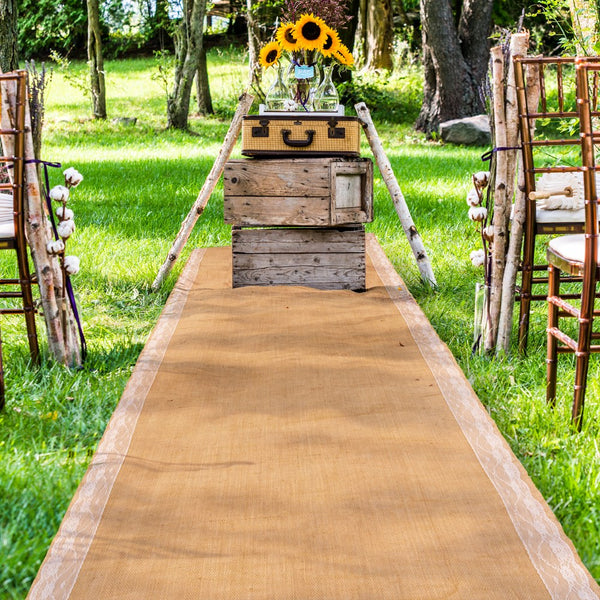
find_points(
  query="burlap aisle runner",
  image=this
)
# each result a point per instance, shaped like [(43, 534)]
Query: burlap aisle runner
[(287, 443)]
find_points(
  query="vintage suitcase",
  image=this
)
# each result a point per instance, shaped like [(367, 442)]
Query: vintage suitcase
[(323, 258), (298, 191), (300, 134)]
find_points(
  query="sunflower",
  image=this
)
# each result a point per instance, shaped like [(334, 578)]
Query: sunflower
[(285, 37), (344, 56), (310, 31), (269, 54), (332, 42)]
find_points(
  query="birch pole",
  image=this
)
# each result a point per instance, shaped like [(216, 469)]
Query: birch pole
[(413, 236), (500, 199), (61, 342), (207, 189), (519, 43), (513, 255)]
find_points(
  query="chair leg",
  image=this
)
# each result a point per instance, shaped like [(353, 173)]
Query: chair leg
[(28, 305), (581, 369), (2, 395), (526, 284), (582, 356), (552, 344)]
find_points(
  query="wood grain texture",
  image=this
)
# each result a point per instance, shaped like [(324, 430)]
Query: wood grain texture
[(320, 258), (298, 192)]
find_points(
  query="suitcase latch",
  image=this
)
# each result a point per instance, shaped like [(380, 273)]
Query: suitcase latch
[(334, 132), (262, 131)]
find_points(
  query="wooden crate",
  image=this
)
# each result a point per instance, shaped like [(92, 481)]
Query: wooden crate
[(298, 192), (326, 259)]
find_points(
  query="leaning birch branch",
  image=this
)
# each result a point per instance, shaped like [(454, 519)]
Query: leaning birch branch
[(206, 191), (500, 199), (414, 238), (513, 255)]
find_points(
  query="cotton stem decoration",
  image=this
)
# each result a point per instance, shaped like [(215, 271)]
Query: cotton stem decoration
[(478, 213), (65, 227)]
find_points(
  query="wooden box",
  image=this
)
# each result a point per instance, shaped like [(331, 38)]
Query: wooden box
[(326, 259), (298, 192), (295, 134)]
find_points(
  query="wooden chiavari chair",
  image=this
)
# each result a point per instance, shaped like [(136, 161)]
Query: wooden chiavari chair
[(12, 218), (542, 148), (577, 255)]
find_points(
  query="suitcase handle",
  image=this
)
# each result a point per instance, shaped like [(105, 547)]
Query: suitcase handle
[(310, 134)]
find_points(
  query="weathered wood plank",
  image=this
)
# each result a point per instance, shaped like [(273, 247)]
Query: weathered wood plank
[(289, 177), (346, 260), (298, 240), (294, 211), (320, 278)]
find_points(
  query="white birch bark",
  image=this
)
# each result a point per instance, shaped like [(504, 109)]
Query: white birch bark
[(383, 162)]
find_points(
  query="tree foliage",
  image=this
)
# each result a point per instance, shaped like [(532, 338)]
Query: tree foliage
[(47, 26)]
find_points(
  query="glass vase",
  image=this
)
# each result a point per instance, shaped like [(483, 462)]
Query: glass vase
[(326, 95), (303, 82), (278, 94)]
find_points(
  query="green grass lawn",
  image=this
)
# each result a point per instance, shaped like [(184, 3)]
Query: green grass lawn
[(140, 182)]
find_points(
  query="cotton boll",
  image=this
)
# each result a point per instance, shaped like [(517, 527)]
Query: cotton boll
[(55, 247), (488, 233), (60, 193), (72, 177), (64, 213), (66, 228), (477, 213), (473, 198), (481, 179), (72, 264), (477, 258)]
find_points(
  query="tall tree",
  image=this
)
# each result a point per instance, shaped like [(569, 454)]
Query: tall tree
[(96, 61), (584, 14), (188, 49), (455, 59), (376, 31), (8, 35), (204, 98)]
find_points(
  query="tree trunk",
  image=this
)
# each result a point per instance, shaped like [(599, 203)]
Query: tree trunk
[(96, 61), (254, 71), (188, 47), (205, 106), (584, 15), (161, 22), (8, 35), (379, 32), (348, 35), (455, 57)]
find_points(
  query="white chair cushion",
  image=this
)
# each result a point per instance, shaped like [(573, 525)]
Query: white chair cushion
[(570, 247), (559, 216), (7, 224)]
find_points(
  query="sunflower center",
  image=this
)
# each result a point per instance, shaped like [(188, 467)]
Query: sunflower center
[(271, 56), (328, 43), (289, 37), (311, 31)]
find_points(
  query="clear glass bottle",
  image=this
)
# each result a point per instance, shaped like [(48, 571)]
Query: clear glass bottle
[(326, 95), (278, 93), (303, 82)]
